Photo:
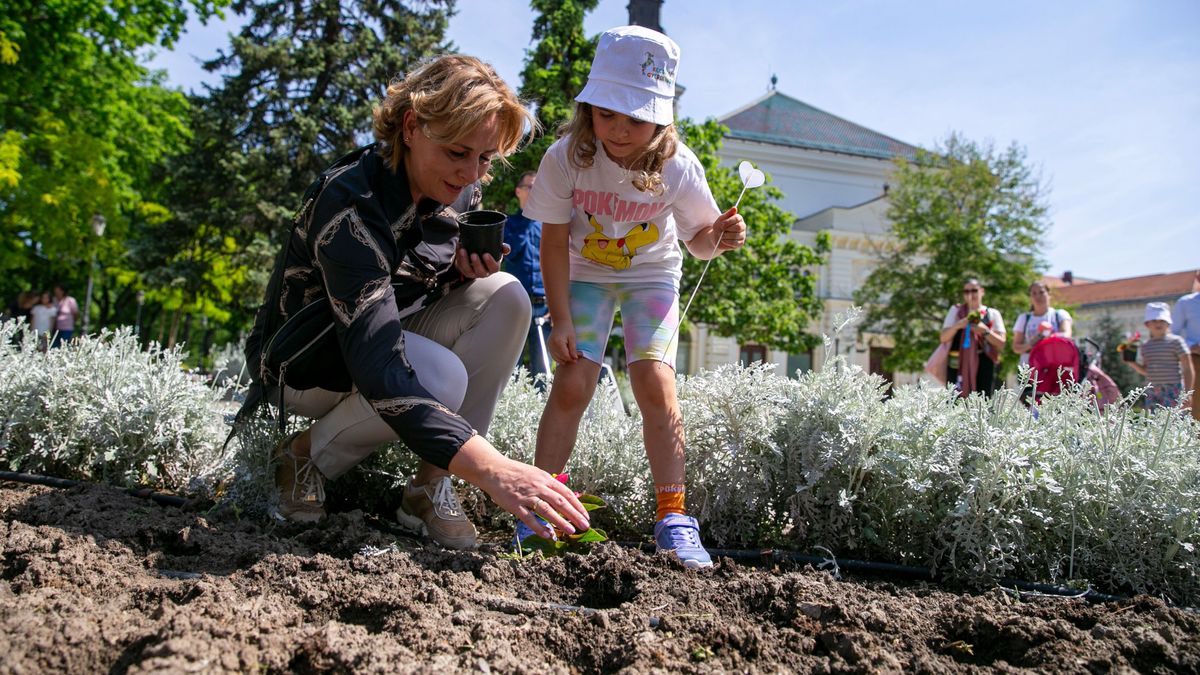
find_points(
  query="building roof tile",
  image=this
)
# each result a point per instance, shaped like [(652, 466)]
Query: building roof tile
[(782, 120), (1133, 289)]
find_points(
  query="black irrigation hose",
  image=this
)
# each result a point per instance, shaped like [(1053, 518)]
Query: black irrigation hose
[(767, 555), (144, 493), (908, 571)]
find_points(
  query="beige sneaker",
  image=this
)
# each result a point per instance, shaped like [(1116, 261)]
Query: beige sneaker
[(301, 486), (433, 509)]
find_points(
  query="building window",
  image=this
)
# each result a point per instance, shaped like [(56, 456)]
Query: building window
[(751, 353), (799, 363)]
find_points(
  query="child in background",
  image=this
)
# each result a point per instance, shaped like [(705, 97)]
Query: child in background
[(41, 319), (1163, 359), (616, 193)]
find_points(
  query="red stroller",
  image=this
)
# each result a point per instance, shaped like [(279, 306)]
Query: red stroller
[(1054, 362), (1055, 355)]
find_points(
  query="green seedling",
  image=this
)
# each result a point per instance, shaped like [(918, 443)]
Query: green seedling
[(580, 542)]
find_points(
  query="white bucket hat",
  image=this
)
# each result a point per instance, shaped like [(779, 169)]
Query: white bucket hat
[(1158, 311), (633, 73)]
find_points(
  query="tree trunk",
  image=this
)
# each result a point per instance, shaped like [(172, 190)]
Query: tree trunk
[(174, 327)]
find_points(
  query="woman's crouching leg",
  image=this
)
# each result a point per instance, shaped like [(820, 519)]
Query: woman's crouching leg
[(485, 323)]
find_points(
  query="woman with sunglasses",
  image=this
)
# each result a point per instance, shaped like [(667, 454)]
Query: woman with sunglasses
[(976, 335)]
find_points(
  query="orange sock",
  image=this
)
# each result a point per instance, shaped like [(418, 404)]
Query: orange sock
[(670, 499)]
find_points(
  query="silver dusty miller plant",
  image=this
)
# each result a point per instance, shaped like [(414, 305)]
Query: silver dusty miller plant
[(979, 489), (102, 409)]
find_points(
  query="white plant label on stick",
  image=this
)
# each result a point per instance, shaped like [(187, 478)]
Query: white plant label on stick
[(751, 178)]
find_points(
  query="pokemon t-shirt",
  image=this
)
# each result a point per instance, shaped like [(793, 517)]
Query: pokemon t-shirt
[(619, 233)]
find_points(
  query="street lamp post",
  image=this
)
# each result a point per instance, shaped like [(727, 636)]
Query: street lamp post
[(137, 323), (98, 224)]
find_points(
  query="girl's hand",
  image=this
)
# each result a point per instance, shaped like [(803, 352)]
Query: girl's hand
[(729, 231), (979, 329), (562, 342), (475, 266)]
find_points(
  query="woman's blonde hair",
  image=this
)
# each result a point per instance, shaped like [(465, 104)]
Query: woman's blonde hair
[(451, 96), (647, 167)]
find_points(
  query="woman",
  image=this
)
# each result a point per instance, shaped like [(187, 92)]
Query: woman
[(976, 336), (427, 332), (1030, 327), (41, 319)]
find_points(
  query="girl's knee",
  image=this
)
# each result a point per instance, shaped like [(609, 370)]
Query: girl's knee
[(572, 388)]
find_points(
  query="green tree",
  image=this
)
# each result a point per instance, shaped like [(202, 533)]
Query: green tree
[(963, 210), (82, 127), (764, 293), (556, 69), (300, 81), (760, 294), (200, 259)]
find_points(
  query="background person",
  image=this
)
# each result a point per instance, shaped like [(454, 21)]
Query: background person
[(1186, 315), (41, 319), (1163, 359), (427, 332), (976, 335), (68, 314), (524, 238), (21, 304), (1030, 327), (617, 193)]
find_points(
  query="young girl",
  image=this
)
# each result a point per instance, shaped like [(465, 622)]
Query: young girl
[(1163, 359), (616, 194)]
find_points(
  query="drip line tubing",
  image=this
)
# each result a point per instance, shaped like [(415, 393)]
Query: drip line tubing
[(143, 493), (766, 556)]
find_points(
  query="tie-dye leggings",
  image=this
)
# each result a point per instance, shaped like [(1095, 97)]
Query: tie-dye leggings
[(649, 317)]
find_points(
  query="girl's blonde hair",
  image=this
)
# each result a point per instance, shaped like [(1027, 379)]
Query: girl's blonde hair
[(647, 167), (451, 96)]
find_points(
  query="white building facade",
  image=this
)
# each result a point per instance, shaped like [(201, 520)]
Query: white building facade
[(834, 177)]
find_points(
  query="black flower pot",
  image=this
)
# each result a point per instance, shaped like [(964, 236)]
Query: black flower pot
[(482, 232)]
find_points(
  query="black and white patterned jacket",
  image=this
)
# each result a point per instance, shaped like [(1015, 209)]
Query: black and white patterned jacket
[(360, 243)]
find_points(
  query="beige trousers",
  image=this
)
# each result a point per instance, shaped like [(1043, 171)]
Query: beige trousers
[(463, 348)]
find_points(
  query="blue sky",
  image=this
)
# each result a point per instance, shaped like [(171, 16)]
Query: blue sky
[(1103, 95)]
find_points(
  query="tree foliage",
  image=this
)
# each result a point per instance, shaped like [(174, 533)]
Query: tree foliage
[(963, 210), (763, 293), (83, 125), (1108, 332), (300, 81), (759, 294), (556, 69)]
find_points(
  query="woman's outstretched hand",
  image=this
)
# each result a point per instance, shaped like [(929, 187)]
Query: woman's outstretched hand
[(522, 489)]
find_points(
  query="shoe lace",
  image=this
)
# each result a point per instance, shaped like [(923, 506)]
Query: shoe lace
[(445, 500), (683, 537), (309, 482)]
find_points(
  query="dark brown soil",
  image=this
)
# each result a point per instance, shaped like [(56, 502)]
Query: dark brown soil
[(94, 580)]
